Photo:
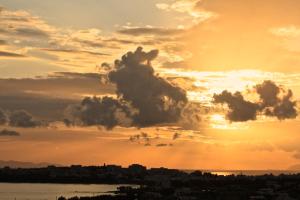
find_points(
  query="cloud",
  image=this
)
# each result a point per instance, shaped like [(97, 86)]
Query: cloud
[(6, 132), (76, 51), (176, 65), (46, 97), (23, 119), (21, 23), (72, 48), (43, 107), (143, 98), (286, 108), (3, 117), (10, 54), (66, 85), (188, 7), (136, 31), (274, 105), (176, 136), (274, 101), (288, 31), (2, 42), (156, 100), (239, 109), (268, 92), (164, 145), (106, 111), (142, 137), (31, 32)]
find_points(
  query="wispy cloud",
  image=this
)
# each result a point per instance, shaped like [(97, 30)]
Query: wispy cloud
[(10, 54)]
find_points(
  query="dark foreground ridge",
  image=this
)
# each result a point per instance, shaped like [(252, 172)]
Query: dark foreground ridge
[(162, 183)]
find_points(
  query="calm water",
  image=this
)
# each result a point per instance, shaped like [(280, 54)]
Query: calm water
[(16, 191), (249, 172)]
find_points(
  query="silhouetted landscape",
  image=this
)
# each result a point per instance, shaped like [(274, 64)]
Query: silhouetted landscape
[(161, 183)]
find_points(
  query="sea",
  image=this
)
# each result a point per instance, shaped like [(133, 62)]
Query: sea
[(247, 172), (24, 191)]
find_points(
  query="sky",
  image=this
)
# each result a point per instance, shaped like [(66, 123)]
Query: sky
[(189, 84)]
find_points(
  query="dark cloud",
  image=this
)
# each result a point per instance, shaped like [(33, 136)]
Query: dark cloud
[(104, 111), (43, 107), (3, 117), (156, 100), (176, 136), (10, 54), (23, 119), (239, 109), (191, 116), (6, 132), (274, 105), (134, 138), (105, 66), (286, 108), (150, 31), (273, 101), (143, 138), (31, 32), (47, 97), (268, 93), (143, 98), (164, 145)]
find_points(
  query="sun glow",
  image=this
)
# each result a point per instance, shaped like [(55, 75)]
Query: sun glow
[(206, 84), (219, 121)]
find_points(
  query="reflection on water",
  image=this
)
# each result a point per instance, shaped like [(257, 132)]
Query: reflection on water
[(246, 172), (253, 172), (13, 191)]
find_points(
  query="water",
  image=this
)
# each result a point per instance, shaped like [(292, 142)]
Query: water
[(248, 172), (24, 191)]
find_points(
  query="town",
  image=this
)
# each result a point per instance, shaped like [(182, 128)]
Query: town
[(161, 183)]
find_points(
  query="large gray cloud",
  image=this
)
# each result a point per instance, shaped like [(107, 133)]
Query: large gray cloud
[(156, 99), (273, 101), (142, 96)]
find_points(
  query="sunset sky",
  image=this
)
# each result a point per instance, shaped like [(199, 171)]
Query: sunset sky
[(185, 114)]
